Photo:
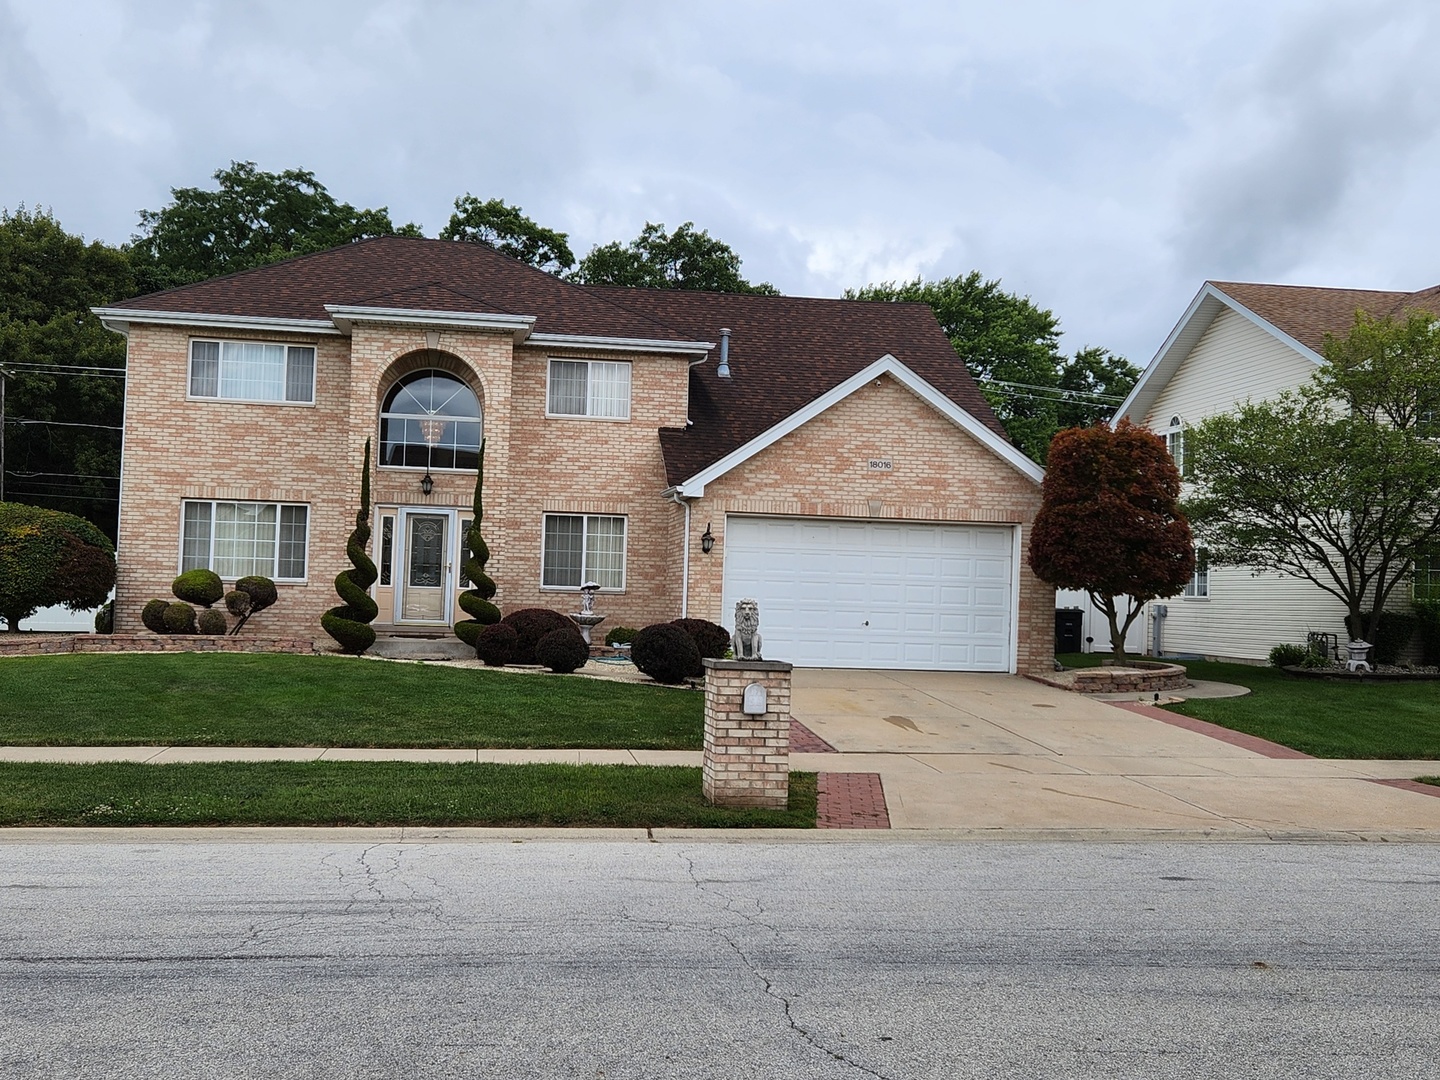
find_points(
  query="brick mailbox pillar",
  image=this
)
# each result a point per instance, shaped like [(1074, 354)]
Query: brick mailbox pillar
[(747, 733)]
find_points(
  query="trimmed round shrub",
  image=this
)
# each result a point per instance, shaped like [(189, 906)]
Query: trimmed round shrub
[(530, 625), (495, 644), (153, 616), (710, 638), (666, 653), (1393, 635), (1288, 655), (105, 618), (202, 587), (179, 618), (212, 621), (621, 635), (562, 651), (237, 603), (261, 590)]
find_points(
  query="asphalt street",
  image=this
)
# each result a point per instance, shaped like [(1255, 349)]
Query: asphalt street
[(850, 958)]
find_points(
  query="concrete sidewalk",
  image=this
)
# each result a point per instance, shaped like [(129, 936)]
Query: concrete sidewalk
[(995, 755)]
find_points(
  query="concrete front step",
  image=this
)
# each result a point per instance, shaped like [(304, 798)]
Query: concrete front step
[(414, 647)]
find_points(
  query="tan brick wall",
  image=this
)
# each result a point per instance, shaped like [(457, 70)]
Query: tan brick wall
[(940, 474), (177, 449), (746, 757)]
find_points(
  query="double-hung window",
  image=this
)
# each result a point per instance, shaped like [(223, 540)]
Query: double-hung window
[(1175, 443), (252, 371), (583, 547), (1199, 583), (237, 539), (595, 388)]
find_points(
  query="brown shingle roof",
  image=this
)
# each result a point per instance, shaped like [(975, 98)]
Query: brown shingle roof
[(785, 351), (1307, 313)]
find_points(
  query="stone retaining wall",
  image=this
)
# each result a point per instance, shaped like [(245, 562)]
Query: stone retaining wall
[(1137, 676), (50, 644)]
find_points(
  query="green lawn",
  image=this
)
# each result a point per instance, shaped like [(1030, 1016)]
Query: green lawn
[(1330, 719), (377, 793), (222, 699)]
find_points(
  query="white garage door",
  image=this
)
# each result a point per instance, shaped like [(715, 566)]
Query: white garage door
[(868, 594)]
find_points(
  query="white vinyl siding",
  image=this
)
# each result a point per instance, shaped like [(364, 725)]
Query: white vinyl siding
[(583, 547), (592, 388), (254, 371), (239, 539)]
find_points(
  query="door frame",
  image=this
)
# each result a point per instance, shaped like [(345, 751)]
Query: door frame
[(400, 561)]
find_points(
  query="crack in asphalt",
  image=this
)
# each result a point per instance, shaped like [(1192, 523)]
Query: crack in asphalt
[(768, 986)]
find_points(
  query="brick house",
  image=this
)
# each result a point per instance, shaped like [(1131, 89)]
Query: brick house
[(834, 456)]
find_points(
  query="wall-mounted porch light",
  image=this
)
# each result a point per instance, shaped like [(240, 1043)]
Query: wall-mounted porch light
[(432, 429), (707, 539)]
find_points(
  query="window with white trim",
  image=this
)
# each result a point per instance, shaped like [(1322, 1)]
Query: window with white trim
[(583, 547), (1175, 444), (1199, 583), (237, 539), (595, 388), (252, 371)]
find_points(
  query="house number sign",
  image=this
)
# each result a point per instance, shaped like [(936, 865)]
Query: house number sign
[(881, 464)]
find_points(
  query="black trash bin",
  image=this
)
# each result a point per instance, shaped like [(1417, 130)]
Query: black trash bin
[(1069, 630)]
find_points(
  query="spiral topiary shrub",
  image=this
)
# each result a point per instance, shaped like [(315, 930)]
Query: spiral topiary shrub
[(620, 635), (105, 618), (212, 621), (495, 644), (202, 587), (153, 616), (666, 653), (710, 638), (530, 625), (478, 600), (179, 618), (562, 651), (349, 623)]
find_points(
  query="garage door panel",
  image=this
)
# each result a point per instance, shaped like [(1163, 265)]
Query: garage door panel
[(875, 594)]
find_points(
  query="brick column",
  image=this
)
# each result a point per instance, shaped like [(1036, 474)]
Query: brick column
[(747, 756)]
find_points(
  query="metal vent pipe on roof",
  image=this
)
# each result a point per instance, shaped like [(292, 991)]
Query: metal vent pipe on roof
[(724, 369)]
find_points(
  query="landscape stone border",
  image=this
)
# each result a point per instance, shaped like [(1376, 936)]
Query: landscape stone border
[(58, 644), (1131, 677)]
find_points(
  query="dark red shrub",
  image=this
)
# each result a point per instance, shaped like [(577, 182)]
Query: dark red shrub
[(712, 639), (530, 625), (495, 644), (562, 651), (666, 653)]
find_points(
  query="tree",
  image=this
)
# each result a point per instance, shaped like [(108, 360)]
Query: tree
[(47, 558), (64, 393), (1012, 348), (1110, 522), (509, 232), (349, 623), (688, 258), (476, 601), (1337, 483), (253, 218)]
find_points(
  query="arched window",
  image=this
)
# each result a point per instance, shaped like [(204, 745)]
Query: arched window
[(1175, 443), (430, 420)]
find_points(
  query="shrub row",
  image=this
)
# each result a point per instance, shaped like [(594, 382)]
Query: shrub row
[(251, 595), (667, 652)]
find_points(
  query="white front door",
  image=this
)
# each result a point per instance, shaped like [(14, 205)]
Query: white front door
[(426, 570), (876, 594)]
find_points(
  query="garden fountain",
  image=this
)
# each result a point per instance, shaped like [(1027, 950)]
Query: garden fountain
[(585, 618)]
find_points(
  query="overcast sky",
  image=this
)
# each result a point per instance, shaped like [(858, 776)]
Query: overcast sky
[(1102, 158)]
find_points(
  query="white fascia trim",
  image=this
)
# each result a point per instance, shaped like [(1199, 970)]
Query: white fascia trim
[(887, 365), (119, 320), (1208, 292), (346, 315), (651, 345)]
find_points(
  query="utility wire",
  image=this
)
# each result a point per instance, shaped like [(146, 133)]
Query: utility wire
[(81, 475), (62, 423)]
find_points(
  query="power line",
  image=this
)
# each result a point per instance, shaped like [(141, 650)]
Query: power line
[(81, 475), (78, 369), (62, 423)]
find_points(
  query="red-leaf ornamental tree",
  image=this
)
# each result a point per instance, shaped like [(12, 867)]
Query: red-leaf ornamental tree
[(1110, 522)]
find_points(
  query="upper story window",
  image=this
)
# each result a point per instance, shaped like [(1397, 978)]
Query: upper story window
[(596, 388), (430, 420), (252, 371), (1175, 443)]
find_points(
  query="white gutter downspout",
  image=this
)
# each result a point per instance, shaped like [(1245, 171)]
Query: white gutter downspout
[(685, 558)]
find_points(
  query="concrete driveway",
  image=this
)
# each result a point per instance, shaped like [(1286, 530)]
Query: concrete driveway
[(982, 754)]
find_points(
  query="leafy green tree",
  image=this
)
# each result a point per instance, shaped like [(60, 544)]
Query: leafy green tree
[(510, 232), (253, 218), (1012, 348), (62, 424), (1110, 522), (49, 558), (1337, 483), (688, 258)]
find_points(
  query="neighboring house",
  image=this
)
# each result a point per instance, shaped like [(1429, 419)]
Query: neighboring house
[(834, 456), (1239, 342)]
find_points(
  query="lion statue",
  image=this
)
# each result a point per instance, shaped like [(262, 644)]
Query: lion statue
[(746, 639)]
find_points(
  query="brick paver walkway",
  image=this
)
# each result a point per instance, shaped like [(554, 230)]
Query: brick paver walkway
[(851, 801), (805, 741)]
